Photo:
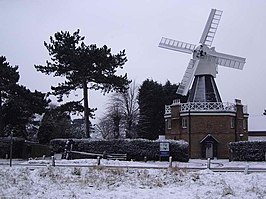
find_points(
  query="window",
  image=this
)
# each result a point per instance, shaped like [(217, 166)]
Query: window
[(232, 123), (169, 123), (244, 124), (184, 123)]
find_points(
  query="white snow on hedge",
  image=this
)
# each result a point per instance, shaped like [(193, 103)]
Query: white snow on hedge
[(96, 183)]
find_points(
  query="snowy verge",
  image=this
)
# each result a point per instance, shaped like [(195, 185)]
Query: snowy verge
[(77, 182), (85, 182)]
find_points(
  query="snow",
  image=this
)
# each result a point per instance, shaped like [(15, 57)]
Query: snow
[(100, 182)]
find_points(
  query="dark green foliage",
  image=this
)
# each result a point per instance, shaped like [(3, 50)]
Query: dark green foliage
[(77, 128), (84, 67), (20, 108), (152, 100), (151, 110), (169, 92), (135, 149), (9, 77), (17, 103), (17, 147), (22, 149), (33, 150), (72, 107), (248, 151), (55, 124)]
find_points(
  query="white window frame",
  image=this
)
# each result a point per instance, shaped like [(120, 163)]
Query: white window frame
[(232, 122), (169, 123), (244, 124), (184, 123)]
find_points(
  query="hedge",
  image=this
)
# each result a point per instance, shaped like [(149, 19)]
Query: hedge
[(135, 149), (16, 150), (247, 150), (22, 148)]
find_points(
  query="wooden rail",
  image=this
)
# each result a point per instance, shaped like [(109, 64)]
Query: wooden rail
[(107, 156)]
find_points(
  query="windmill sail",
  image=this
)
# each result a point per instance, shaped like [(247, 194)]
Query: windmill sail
[(203, 65), (177, 45), (228, 60), (211, 27), (188, 77)]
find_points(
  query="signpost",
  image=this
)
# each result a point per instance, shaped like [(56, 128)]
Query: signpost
[(11, 149), (164, 149)]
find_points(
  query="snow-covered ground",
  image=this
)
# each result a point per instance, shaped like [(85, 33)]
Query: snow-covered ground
[(99, 182)]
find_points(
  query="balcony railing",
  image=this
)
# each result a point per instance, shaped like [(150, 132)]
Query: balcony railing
[(208, 107), (205, 107)]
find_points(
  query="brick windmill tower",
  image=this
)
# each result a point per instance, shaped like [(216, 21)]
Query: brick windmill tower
[(207, 123)]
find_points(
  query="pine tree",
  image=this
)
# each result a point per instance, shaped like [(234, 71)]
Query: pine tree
[(20, 109), (18, 105), (84, 67), (9, 77), (151, 110), (152, 100)]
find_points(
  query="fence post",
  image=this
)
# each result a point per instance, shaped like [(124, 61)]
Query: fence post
[(11, 149), (53, 161), (98, 160), (69, 152), (145, 158), (170, 162), (246, 169), (209, 163)]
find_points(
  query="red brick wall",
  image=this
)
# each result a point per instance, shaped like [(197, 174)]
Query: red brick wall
[(219, 126)]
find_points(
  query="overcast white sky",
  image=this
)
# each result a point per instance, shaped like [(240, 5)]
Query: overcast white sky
[(138, 26)]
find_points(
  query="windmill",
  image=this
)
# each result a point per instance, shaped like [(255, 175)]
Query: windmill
[(203, 65)]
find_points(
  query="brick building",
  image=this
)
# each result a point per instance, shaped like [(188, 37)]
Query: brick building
[(207, 126)]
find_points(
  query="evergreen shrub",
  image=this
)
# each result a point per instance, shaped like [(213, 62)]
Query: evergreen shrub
[(248, 150), (17, 148), (135, 149)]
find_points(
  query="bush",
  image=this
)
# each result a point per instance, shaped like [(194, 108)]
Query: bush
[(135, 149), (248, 150), (34, 150), (17, 147)]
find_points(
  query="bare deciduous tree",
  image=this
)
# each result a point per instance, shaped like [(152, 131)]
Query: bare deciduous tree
[(122, 115)]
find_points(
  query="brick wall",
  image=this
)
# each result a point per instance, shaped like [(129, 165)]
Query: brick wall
[(217, 124)]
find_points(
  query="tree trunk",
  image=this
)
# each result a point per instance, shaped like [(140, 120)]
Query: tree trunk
[(116, 121), (129, 127), (86, 109)]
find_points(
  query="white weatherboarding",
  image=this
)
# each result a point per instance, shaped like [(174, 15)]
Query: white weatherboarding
[(205, 59)]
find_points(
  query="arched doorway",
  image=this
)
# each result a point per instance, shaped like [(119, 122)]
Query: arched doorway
[(209, 146)]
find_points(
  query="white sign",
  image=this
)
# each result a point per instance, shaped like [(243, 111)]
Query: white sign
[(164, 146)]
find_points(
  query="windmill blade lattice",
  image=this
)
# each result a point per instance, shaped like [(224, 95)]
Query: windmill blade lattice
[(177, 45), (188, 77), (230, 63), (228, 60), (211, 27)]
